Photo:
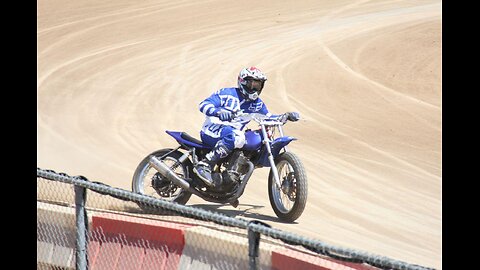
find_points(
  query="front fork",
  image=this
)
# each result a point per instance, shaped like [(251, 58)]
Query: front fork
[(267, 141)]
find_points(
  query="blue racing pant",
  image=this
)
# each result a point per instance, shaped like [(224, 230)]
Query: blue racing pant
[(232, 138)]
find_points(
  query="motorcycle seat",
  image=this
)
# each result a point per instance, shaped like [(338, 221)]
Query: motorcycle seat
[(187, 137)]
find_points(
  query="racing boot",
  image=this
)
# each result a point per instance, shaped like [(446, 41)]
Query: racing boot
[(203, 169)]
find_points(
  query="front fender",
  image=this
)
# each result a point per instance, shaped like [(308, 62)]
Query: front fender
[(275, 146)]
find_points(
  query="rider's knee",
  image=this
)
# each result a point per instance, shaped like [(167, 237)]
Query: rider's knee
[(233, 138), (239, 138)]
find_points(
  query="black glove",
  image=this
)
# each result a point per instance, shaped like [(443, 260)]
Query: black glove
[(224, 115), (291, 116)]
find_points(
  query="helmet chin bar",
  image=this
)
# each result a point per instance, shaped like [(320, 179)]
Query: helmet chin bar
[(253, 96)]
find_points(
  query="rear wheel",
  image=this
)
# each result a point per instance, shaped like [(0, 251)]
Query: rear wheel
[(147, 180), (288, 201)]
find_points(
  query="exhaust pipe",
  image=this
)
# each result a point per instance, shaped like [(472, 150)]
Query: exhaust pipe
[(168, 173)]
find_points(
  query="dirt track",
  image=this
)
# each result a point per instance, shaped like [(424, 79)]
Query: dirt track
[(364, 75)]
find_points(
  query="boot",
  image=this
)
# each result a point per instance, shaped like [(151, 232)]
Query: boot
[(204, 168)]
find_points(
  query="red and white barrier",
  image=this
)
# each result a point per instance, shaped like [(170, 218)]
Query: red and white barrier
[(135, 243), (194, 247), (124, 242)]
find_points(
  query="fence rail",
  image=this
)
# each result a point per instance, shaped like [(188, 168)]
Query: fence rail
[(254, 229)]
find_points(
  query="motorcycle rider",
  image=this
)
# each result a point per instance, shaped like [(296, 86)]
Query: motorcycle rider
[(223, 135)]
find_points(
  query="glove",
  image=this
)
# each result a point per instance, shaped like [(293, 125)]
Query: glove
[(293, 116), (224, 115)]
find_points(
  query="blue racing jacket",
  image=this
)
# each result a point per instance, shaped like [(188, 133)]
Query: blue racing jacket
[(228, 99)]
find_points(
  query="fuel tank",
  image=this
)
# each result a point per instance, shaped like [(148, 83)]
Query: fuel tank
[(253, 140)]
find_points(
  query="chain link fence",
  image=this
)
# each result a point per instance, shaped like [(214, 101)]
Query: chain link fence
[(89, 225)]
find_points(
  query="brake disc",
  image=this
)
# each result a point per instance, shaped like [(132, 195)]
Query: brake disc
[(162, 186), (289, 186)]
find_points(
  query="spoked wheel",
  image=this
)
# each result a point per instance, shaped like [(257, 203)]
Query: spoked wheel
[(148, 181), (288, 201)]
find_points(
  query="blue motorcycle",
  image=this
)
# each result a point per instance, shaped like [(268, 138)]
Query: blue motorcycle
[(168, 173)]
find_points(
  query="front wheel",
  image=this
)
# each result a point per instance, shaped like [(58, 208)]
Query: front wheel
[(147, 180), (288, 201)]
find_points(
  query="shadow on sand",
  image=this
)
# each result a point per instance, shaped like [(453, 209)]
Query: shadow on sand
[(242, 211)]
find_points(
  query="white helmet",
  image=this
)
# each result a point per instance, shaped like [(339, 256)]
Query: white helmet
[(250, 82)]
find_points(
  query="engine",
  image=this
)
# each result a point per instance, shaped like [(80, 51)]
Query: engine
[(235, 167)]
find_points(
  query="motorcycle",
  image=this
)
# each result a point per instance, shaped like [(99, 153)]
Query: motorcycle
[(169, 172)]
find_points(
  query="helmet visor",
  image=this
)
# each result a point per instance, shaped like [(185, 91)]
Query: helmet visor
[(253, 85)]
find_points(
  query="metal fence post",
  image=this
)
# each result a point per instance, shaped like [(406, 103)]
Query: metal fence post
[(253, 244), (81, 223)]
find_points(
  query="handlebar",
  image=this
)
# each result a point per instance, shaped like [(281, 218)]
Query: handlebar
[(261, 119)]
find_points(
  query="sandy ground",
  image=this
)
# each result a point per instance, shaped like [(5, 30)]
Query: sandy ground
[(366, 77)]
